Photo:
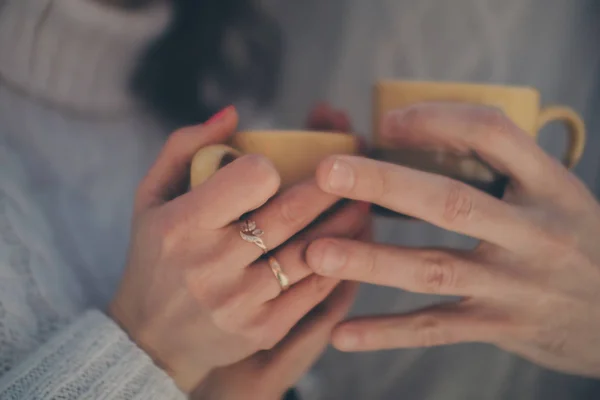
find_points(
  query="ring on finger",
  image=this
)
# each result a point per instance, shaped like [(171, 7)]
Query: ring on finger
[(251, 234), (282, 278)]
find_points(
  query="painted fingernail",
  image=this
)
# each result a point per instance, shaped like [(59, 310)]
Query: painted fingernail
[(341, 176), (332, 259), (218, 116)]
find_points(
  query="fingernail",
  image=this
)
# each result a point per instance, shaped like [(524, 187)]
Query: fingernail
[(341, 176), (346, 340), (332, 259), (219, 115)]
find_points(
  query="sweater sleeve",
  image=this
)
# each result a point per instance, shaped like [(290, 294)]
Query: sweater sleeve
[(90, 359), (50, 346)]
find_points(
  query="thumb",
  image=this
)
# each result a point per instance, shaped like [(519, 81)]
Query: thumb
[(171, 169), (291, 358)]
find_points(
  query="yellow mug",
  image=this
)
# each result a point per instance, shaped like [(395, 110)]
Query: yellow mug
[(295, 154), (521, 104)]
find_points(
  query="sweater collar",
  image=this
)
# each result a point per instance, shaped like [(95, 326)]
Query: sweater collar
[(77, 54)]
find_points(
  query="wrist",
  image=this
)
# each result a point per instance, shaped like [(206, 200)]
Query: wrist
[(127, 325), (186, 377)]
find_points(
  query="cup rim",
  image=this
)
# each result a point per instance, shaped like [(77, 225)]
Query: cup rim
[(497, 86), (296, 133)]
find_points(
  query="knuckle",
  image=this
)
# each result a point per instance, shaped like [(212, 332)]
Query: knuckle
[(458, 205), (175, 138), (495, 121), (413, 117), (496, 126), (429, 332), (438, 274), (383, 184)]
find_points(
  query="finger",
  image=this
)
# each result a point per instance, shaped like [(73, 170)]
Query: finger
[(318, 117), (259, 285), (415, 270), (243, 185), (341, 122), (292, 357), (280, 219), (485, 131), (437, 326), (283, 313), (433, 198), (171, 169), (242, 291), (368, 232)]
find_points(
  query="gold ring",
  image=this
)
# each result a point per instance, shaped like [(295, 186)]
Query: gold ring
[(281, 277), (250, 233)]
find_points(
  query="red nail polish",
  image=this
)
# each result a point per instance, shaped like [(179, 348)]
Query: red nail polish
[(219, 115)]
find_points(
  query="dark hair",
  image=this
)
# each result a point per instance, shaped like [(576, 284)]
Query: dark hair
[(215, 52)]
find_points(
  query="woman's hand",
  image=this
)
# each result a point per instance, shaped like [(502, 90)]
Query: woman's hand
[(195, 295), (267, 375), (532, 286)]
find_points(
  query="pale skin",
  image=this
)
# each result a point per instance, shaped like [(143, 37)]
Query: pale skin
[(195, 295), (532, 285), (267, 375)]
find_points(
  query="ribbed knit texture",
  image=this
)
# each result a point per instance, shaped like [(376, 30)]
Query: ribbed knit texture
[(72, 149), (90, 359)]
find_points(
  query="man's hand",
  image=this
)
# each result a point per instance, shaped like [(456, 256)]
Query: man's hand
[(532, 286)]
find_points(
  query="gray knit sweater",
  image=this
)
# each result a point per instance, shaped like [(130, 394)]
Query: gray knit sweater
[(69, 163)]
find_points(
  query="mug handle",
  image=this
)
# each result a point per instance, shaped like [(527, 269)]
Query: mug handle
[(575, 127), (208, 160)]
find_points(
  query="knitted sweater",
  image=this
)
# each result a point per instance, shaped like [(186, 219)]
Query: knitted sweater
[(63, 70)]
